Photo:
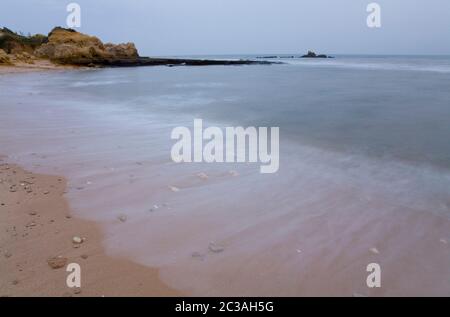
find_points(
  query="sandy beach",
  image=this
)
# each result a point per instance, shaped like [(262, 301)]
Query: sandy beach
[(37, 66), (36, 225)]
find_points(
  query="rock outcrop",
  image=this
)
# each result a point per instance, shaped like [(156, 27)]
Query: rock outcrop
[(24, 57), (311, 54), (4, 58), (13, 43), (66, 46)]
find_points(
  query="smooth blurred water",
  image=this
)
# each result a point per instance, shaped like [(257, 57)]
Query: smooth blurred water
[(388, 106)]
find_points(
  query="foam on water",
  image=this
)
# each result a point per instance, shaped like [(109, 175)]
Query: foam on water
[(444, 68)]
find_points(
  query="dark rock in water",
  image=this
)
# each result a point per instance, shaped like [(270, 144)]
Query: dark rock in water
[(148, 61), (311, 54)]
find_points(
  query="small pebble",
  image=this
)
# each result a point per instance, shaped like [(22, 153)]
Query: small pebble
[(57, 262), (213, 247), (198, 255), (234, 173), (77, 240), (202, 176)]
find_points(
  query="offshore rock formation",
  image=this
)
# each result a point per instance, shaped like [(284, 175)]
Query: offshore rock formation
[(311, 54)]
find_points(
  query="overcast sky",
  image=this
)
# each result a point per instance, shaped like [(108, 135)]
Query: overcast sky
[(185, 27)]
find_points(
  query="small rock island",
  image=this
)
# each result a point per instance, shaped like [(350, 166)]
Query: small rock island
[(311, 54)]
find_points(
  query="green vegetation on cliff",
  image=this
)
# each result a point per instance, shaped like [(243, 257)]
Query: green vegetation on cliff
[(12, 42)]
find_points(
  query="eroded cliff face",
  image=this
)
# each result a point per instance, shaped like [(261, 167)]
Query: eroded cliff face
[(67, 46), (4, 58), (63, 46)]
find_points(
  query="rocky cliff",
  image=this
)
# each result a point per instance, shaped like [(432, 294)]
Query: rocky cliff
[(13, 43), (69, 47), (63, 46)]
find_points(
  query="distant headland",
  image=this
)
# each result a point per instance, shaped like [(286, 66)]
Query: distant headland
[(68, 47)]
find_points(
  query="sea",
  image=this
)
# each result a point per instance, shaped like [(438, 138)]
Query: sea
[(364, 172)]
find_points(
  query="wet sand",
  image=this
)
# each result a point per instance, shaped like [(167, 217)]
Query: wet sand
[(36, 224), (264, 253), (36, 66)]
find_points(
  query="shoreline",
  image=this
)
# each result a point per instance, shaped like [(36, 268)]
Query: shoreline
[(37, 66), (33, 214), (45, 65)]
